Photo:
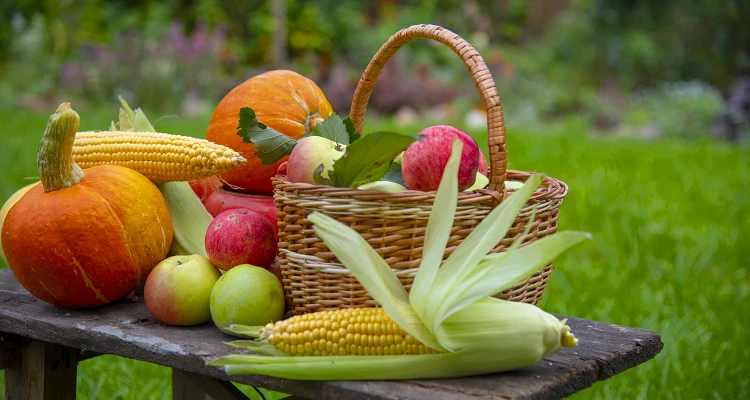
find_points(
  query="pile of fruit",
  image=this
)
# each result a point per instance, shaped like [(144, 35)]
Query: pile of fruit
[(114, 209)]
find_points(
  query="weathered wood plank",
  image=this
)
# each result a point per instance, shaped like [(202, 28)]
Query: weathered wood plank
[(10, 351), (215, 389), (47, 372), (128, 330)]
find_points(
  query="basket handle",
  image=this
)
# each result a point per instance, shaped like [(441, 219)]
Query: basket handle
[(479, 72)]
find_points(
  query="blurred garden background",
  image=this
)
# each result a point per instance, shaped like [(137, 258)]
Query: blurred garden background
[(641, 107)]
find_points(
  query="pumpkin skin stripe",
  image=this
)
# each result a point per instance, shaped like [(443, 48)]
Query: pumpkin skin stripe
[(125, 235), (290, 91), (132, 207), (88, 283), (275, 97)]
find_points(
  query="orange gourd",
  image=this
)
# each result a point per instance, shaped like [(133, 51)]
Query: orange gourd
[(283, 100), (84, 238)]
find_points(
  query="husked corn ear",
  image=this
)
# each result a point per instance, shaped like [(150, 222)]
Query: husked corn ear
[(343, 332), (161, 157)]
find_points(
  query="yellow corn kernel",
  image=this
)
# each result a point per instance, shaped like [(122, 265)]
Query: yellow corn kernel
[(161, 157), (346, 332)]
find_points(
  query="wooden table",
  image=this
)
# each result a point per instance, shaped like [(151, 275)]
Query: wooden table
[(40, 346)]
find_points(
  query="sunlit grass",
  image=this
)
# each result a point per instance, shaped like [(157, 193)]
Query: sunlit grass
[(671, 224)]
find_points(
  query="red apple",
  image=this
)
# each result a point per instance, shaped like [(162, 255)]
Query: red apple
[(178, 290), (425, 160), (483, 167), (222, 199), (241, 236), (308, 154), (282, 170)]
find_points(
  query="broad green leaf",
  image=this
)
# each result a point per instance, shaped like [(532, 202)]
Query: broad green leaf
[(323, 180), (375, 275), (394, 174), (351, 131), (437, 233), (369, 158), (270, 145), (333, 129)]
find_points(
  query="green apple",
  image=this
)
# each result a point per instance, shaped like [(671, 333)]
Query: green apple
[(178, 290), (246, 295), (307, 156), (480, 182), (385, 186)]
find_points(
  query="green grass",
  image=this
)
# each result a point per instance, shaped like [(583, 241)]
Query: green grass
[(670, 222)]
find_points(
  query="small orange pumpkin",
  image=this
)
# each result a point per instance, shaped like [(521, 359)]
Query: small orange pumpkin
[(83, 239), (283, 100)]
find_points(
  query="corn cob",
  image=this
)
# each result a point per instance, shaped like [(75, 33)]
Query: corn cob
[(161, 157), (449, 311), (345, 332)]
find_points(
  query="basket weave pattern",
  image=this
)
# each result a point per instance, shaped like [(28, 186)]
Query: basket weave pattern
[(394, 224)]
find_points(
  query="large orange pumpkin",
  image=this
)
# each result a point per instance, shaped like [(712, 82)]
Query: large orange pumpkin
[(283, 100), (84, 238)]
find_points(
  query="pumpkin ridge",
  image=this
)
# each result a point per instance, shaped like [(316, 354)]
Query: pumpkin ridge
[(317, 99), (128, 241), (297, 99), (163, 236), (34, 201), (87, 281)]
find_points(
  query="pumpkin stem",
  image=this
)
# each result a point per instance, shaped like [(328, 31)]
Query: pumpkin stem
[(313, 120), (55, 156)]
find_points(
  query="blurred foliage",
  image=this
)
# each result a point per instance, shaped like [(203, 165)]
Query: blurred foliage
[(549, 57)]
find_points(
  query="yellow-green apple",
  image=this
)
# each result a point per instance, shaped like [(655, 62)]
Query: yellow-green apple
[(178, 290), (246, 295), (307, 156), (241, 236), (424, 161), (384, 186), (479, 183)]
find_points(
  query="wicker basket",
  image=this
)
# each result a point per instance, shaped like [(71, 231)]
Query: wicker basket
[(394, 223)]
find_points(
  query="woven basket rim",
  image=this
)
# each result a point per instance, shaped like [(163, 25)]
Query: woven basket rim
[(551, 188)]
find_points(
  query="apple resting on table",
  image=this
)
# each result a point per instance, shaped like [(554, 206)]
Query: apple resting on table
[(178, 290)]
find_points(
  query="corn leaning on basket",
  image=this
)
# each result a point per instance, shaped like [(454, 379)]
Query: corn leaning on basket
[(394, 223), (161, 157)]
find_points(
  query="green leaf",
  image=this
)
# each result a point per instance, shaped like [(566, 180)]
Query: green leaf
[(351, 131), (320, 179), (270, 144), (369, 158), (394, 174), (333, 129)]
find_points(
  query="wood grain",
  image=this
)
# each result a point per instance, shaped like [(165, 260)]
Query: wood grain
[(128, 330), (47, 371)]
